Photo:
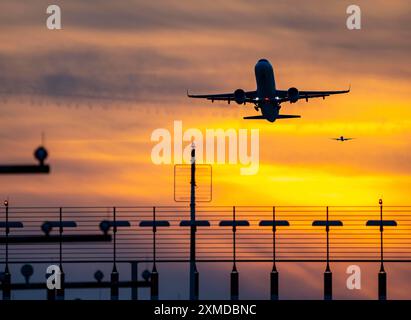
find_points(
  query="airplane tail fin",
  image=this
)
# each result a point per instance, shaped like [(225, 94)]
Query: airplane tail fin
[(287, 116)]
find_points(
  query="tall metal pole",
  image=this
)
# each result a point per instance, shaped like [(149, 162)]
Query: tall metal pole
[(61, 238), (193, 268), (234, 276), (114, 240), (114, 272), (274, 231), (382, 275), (154, 273), (327, 229), (381, 239), (6, 270), (234, 242), (60, 292), (274, 272), (154, 240), (7, 276), (328, 274)]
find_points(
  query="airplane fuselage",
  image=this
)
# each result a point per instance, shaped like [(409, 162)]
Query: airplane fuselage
[(264, 76)]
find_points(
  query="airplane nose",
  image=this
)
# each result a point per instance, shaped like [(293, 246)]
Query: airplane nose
[(261, 65)]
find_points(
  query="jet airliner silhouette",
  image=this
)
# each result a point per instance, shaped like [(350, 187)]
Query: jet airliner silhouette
[(267, 98), (342, 139)]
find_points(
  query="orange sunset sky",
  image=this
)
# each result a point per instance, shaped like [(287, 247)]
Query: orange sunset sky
[(153, 51), (144, 55)]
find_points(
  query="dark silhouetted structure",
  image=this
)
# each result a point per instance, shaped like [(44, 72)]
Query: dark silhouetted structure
[(154, 224), (274, 277), (382, 275), (234, 276), (328, 276), (40, 154)]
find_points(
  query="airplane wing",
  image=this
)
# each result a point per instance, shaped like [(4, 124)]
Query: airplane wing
[(249, 96), (283, 94)]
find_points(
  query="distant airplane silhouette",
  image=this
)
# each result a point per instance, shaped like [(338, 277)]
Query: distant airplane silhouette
[(267, 98), (342, 139)]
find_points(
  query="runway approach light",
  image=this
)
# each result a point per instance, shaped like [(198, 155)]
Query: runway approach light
[(40, 154)]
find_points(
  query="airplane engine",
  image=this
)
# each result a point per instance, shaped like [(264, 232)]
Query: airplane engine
[(293, 94), (239, 96)]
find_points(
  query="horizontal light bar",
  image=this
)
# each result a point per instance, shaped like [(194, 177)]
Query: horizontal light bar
[(329, 223), (24, 169), (274, 223), (197, 223), (378, 223), (236, 223), (157, 223), (11, 224)]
